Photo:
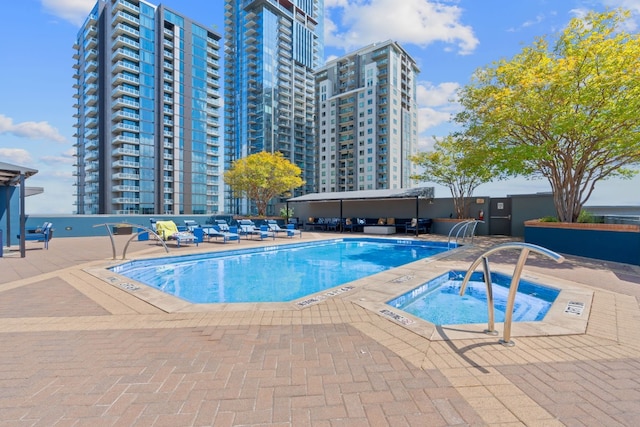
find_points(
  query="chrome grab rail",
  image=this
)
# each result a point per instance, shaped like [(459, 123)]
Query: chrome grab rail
[(462, 227), (124, 251), (513, 286)]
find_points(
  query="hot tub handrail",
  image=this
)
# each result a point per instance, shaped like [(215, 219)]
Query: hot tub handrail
[(513, 287), (124, 251)]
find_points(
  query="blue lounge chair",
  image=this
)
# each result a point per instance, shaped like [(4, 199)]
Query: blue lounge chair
[(168, 230), (191, 225), (40, 234), (215, 232), (248, 228), (290, 231)]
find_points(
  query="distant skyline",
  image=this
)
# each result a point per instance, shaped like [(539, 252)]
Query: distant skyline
[(448, 40)]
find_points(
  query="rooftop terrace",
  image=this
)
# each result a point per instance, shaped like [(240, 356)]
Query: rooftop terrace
[(78, 350)]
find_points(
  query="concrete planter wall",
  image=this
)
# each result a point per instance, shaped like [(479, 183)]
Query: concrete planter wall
[(444, 225), (610, 242)]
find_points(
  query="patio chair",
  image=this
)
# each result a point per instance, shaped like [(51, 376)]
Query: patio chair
[(222, 224), (168, 230), (416, 226), (43, 233), (273, 226), (292, 231), (248, 228), (191, 225), (215, 232)]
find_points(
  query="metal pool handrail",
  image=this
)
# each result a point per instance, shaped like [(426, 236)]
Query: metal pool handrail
[(513, 287), (462, 227), (124, 251)]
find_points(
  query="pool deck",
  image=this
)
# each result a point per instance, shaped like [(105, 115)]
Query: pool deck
[(80, 347)]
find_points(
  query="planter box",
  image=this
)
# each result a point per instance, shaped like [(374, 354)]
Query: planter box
[(610, 242), (444, 225), (122, 229)]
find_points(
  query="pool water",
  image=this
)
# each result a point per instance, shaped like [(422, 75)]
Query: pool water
[(439, 302), (275, 273)]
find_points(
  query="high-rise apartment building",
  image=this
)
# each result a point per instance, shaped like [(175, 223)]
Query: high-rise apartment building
[(148, 112), (271, 50), (367, 119)]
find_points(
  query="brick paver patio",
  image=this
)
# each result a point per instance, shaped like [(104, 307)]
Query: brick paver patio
[(77, 351)]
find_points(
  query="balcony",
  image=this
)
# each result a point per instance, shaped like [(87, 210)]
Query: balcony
[(121, 188), (126, 6), (124, 90), (126, 164), (121, 175), (124, 52), (128, 102), (123, 28), (125, 65), (122, 77), (119, 152), (90, 66), (125, 127), (124, 16), (126, 200), (121, 139), (126, 41)]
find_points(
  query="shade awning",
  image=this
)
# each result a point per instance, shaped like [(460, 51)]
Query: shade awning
[(402, 193), (10, 174)]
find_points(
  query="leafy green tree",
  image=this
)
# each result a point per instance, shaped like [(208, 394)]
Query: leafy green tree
[(566, 111), (262, 176), (455, 164)]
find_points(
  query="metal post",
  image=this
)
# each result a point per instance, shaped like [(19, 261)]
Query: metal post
[(491, 329), (23, 220), (417, 215), (513, 289)]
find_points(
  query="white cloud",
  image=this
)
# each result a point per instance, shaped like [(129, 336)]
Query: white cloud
[(436, 104), (353, 24), (30, 130), (429, 95), (74, 11), (16, 156)]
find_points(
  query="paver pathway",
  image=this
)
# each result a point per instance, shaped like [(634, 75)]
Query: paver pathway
[(76, 351)]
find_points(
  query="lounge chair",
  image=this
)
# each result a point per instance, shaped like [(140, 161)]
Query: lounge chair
[(290, 231), (168, 230), (43, 233), (191, 225), (222, 224), (215, 232), (248, 228), (273, 226)]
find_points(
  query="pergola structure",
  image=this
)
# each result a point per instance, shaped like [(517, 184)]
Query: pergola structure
[(11, 176), (346, 196)]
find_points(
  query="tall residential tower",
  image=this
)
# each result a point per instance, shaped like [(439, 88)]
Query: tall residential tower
[(147, 109), (271, 50), (367, 120)]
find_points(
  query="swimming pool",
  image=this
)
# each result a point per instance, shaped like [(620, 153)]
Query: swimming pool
[(275, 273), (439, 302)]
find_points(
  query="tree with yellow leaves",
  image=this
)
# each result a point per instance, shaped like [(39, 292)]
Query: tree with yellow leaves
[(262, 176), (566, 111)]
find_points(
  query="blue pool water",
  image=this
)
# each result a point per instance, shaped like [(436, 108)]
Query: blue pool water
[(439, 302), (275, 273)]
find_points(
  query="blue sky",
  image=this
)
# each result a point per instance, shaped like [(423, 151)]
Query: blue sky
[(448, 39)]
